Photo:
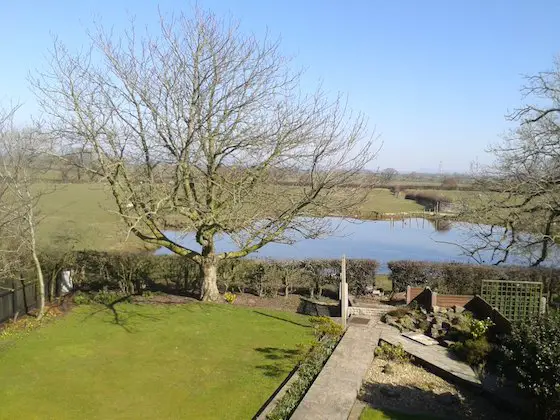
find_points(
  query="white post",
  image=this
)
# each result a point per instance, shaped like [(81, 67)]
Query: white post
[(343, 293), (542, 309)]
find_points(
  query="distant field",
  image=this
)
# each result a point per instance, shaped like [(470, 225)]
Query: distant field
[(83, 215), (381, 200)]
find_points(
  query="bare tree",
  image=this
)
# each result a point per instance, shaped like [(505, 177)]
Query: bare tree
[(521, 198), (19, 154), (387, 175), (192, 125)]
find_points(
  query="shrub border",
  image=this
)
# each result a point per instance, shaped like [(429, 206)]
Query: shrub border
[(281, 392)]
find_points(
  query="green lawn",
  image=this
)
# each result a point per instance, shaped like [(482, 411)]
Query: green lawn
[(372, 414), (194, 361)]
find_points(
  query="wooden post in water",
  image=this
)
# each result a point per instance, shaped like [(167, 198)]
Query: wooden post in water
[(343, 293)]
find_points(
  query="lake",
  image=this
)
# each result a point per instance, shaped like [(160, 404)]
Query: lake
[(409, 239)]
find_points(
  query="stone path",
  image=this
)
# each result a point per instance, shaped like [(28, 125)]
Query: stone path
[(333, 393), (437, 358)]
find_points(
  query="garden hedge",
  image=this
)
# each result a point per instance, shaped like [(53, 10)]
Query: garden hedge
[(457, 278), (132, 273)]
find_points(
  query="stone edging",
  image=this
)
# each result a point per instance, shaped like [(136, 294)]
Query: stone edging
[(270, 404), (277, 395)]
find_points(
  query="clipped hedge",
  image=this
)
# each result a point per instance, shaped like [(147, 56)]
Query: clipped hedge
[(133, 273), (457, 278)]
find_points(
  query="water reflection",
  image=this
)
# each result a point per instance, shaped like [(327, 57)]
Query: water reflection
[(441, 225), (412, 239)]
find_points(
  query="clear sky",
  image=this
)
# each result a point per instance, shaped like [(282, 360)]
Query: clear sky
[(434, 77)]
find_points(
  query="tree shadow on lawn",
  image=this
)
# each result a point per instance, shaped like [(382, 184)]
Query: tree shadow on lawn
[(284, 360), (121, 318), (282, 319)]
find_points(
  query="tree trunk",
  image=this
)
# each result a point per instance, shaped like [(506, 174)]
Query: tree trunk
[(38, 270), (40, 285), (209, 282)]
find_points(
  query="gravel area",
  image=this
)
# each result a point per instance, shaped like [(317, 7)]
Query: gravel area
[(411, 389)]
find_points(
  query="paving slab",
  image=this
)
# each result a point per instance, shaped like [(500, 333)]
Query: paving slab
[(334, 391), (421, 338)]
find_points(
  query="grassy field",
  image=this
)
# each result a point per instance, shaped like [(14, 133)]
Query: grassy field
[(191, 361), (382, 281), (383, 201), (83, 215)]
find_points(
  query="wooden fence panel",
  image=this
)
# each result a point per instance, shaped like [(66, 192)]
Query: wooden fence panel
[(17, 299), (6, 305)]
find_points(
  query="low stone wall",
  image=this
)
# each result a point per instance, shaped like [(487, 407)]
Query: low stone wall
[(361, 311), (315, 308)]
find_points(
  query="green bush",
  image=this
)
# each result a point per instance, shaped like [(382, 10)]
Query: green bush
[(325, 327), (81, 298), (389, 352), (456, 278), (530, 356), (230, 297), (328, 335), (474, 351), (479, 328)]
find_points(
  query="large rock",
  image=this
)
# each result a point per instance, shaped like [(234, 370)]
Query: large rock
[(458, 309)]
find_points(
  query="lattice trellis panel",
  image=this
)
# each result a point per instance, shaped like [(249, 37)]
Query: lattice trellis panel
[(516, 300)]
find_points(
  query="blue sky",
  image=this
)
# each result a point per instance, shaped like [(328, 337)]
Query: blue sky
[(434, 77)]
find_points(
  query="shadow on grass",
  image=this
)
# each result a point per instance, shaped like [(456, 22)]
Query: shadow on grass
[(282, 319), (121, 318), (283, 360)]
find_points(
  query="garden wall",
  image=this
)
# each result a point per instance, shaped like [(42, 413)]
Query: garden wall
[(427, 298), (465, 279)]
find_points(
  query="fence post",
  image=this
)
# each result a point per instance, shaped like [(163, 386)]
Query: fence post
[(14, 299), (343, 293), (408, 294), (433, 301)]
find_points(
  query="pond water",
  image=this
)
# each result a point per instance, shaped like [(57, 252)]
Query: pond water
[(409, 239)]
